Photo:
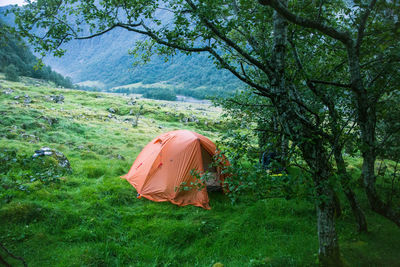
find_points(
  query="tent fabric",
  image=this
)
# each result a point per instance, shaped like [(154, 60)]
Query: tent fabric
[(166, 162)]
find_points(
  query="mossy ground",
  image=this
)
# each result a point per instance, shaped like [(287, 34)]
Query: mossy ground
[(92, 217)]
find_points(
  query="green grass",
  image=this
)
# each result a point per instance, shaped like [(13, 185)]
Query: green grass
[(92, 217)]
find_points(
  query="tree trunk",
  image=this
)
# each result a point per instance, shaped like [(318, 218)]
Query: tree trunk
[(284, 152), (328, 244), (316, 157), (377, 205), (341, 167), (350, 195), (337, 205), (313, 150), (366, 118)]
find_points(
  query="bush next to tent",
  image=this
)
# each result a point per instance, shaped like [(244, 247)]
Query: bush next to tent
[(246, 175)]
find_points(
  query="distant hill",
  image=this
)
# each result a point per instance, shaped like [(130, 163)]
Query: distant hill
[(16, 57), (104, 62)]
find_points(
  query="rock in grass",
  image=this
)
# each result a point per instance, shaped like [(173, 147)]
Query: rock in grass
[(55, 98), (30, 137), (49, 120), (120, 157), (58, 98), (59, 157), (8, 91), (131, 102), (111, 110)]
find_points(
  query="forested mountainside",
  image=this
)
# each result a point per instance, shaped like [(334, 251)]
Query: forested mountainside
[(16, 59), (105, 62)]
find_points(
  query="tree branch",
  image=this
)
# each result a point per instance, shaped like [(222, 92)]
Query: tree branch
[(223, 63), (266, 69), (343, 37), (321, 3), (106, 30), (332, 83), (156, 38), (263, 90), (361, 27)]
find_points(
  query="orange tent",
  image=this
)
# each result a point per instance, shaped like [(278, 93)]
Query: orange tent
[(165, 165)]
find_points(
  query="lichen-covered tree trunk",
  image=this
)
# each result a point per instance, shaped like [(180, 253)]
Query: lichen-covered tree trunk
[(366, 118), (369, 179), (311, 146), (316, 157), (329, 254), (350, 195), (341, 167), (284, 152)]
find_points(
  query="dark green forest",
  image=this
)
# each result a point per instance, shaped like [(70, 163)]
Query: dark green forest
[(16, 59)]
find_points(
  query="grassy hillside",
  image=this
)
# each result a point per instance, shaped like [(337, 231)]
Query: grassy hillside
[(91, 217)]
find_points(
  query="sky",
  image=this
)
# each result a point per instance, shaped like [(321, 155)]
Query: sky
[(11, 2)]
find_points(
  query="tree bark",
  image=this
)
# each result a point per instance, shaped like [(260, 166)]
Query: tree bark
[(366, 118), (350, 195), (292, 121), (329, 254), (337, 205), (284, 152), (316, 157), (369, 178)]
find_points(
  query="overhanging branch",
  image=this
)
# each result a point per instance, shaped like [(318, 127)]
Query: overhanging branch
[(363, 23), (343, 37), (266, 69), (332, 83)]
